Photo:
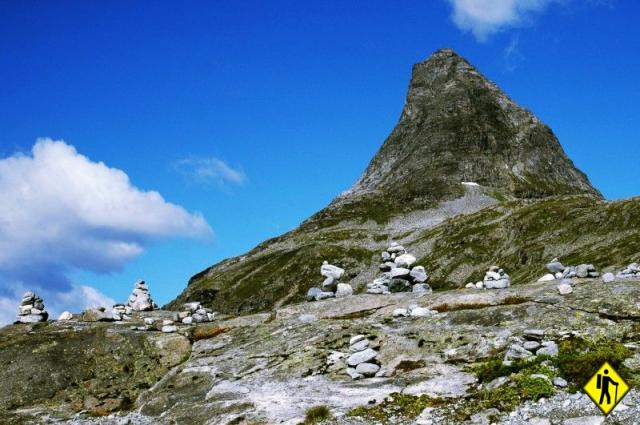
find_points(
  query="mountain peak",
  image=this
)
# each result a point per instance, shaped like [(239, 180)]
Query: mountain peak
[(457, 126)]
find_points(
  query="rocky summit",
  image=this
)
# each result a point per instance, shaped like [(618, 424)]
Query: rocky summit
[(472, 275)]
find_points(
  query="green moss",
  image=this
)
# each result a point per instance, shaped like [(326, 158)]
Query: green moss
[(396, 406), (578, 359), (316, 414)]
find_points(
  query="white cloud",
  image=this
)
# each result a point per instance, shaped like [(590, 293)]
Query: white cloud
[(487, 17), (61, 211), (210, 170)]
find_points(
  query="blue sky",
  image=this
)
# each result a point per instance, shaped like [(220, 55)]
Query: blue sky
[(256, 114)]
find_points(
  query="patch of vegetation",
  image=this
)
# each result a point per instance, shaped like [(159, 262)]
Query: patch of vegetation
[(442, 308), (522, 386), (396, 406), (578, 359), (316, 414), (514, 300)]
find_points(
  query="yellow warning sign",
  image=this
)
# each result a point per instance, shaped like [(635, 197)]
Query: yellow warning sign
[(606, 388)]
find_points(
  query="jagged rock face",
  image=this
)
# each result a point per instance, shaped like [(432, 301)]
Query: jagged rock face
[(456, 126)]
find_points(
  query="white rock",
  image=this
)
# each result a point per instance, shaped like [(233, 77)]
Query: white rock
[(400, 272), (167, 322), (419, 274), (608, 278), (307, 318), (359, 346), (211, 316), (187, 320), (149, 321), (560, 382), (344, 290), (497, 284), (400, 312), (367, 369), (395, 247), (362, 357), (558, 275), (356, 338), (169, 328), (65, 316), (328, 270), (422, 312), (405, 260), (547, 278), (549, 348), (351, 371), (584, 420), (421, 288), (470, 285), (565, 289), (480, 285), (555, 266)]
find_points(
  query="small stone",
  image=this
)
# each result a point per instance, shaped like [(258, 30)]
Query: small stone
[(313, 294), (531, 345), (555, 266), (547, 278), (359, 346), (517, 352), (329, 284), (565, 289), (65, 316), (400, 312), (470, 285), (549, 348), (421, 288), (167, 322), (422, 312), (367, 369), (324, 295), (169, 328), (582, 270), (608, 278), (400, 272), (560, 382), (307, 318), (419, 274), (328, 270), (535, 334), (385, 256), (356, 338), (405, 260), (480, 285), (187, 320), (351, 371), (395, 248), (149, 321), (362, 357), (343, 290)]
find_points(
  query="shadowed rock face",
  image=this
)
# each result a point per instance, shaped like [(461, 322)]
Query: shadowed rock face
[(455, 127)]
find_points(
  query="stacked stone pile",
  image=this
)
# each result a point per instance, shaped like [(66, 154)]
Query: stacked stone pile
[(140, 299), (121, 312), (31, 309), (559, 271), (194, 312), (496, 278), (362, 361), (330, 287), (632, 271), (533, 343), (398, 273)]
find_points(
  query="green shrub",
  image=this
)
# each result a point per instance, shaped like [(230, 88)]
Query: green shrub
[(317, 414)]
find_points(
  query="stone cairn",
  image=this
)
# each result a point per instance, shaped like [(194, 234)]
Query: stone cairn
[(330, 287), (31, 309), (632, 271), (140, 299), (121, 312), (533, 343), (559, 271), (194, 312), (362, 361), (495, 278), (399, 274)]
